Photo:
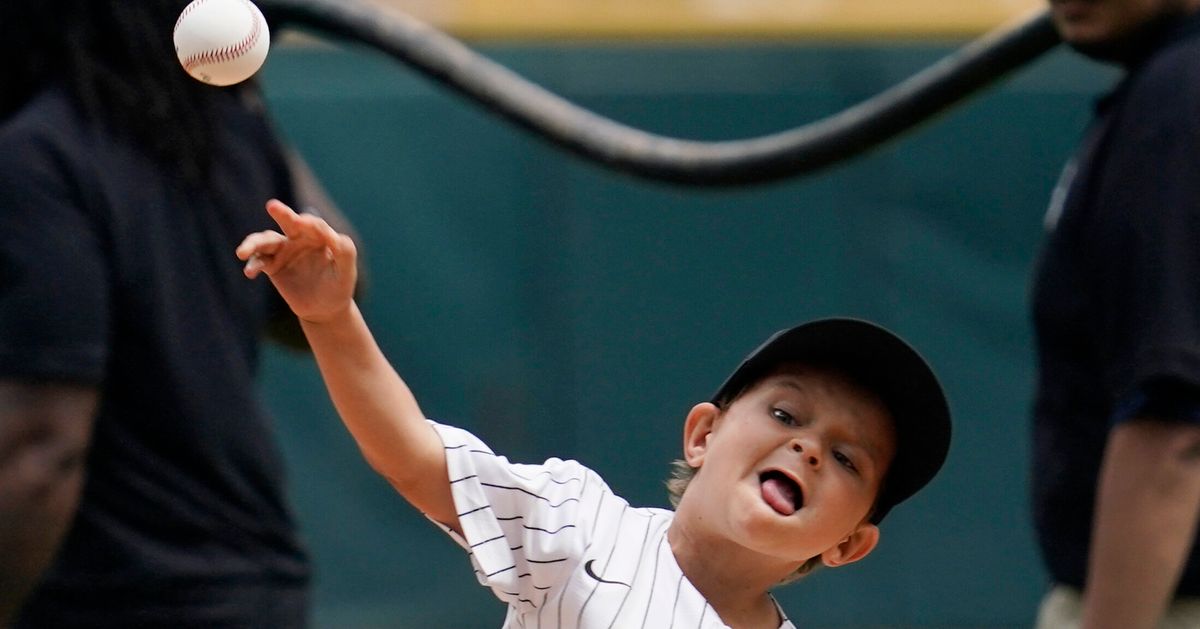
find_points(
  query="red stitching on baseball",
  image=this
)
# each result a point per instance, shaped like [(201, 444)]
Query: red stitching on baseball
[(187, 10), (229, 52)]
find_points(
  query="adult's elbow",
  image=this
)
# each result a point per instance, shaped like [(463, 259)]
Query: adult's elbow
[(1183, 446), (44, 435), (1165, 454), (40, 470)]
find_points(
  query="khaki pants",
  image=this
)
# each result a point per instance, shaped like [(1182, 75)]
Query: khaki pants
[(1062, 607)]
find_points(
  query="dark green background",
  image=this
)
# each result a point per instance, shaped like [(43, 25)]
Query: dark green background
[(557, 308)]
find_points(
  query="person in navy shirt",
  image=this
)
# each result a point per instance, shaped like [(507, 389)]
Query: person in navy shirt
[(1116, 312)]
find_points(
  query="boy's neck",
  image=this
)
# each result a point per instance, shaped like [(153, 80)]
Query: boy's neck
[(735, 587)]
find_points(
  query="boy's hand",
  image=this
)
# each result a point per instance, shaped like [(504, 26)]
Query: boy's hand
[(311, 265)]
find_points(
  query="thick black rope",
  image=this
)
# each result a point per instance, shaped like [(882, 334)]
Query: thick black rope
[(761, 159)]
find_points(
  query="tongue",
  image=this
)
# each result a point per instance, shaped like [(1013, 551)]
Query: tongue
[(780, 495)]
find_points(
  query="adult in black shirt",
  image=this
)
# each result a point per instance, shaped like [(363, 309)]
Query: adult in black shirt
[(1117, 321), (140, 482)]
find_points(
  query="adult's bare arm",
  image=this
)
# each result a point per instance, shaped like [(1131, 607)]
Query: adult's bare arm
[(1147, 508), (44, 433)]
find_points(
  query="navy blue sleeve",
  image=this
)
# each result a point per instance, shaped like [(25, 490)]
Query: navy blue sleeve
[(1164, 399), (54, 295), (1149, 207)]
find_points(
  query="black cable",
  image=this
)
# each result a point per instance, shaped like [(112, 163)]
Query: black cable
[(788, 153)]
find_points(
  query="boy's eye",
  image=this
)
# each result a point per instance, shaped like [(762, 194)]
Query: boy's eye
[(845, 461), (783, 416)]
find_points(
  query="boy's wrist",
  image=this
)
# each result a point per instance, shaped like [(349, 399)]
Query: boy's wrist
[(333, 318)]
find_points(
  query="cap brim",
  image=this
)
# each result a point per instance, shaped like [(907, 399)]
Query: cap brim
[(882, 362)]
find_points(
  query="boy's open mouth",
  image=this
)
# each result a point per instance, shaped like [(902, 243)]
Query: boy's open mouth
[(781, 492)]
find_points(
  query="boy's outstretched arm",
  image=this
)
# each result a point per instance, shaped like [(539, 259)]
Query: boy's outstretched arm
[(313, 268)]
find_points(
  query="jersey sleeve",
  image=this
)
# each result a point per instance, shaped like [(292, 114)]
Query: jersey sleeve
[(525, 526), (1161, 399), (1149, 205), (54, 296)]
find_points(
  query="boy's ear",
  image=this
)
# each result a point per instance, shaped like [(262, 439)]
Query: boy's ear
[(696, 429), (855, 546)]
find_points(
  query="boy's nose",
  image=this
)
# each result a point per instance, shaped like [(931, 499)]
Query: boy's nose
[(809, 454)]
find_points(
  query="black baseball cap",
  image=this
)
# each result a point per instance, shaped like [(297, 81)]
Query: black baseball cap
[(883, 363)]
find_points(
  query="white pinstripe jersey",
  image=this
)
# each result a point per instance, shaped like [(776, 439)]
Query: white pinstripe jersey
[(554, 543)]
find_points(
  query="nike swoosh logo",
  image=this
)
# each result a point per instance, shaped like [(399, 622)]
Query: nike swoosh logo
[(587, 567)]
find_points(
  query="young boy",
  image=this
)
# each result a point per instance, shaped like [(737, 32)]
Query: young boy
[(794, 462)]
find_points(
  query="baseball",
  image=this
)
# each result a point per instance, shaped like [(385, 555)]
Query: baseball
[(221, 42)]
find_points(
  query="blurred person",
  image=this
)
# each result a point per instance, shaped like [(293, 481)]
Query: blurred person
[(1116, 312), (141, 484)]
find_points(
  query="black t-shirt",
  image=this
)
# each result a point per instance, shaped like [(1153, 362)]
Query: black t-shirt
[(114, 273), (1117, 292)]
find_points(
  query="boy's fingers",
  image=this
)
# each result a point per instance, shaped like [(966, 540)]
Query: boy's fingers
[(332, 239), (265, 242), (301, 227), (254, 266), (284, 216), (344, 246), (268, 251), (272, 264)]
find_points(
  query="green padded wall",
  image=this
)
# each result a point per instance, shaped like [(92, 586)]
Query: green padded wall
[(557, 308)]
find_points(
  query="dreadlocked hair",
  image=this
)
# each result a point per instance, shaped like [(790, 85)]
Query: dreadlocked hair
[(117, 60)]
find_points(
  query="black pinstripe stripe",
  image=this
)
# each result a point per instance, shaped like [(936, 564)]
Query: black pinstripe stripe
[(522, 576), (591, 534), (675, 603), (513, 472), (547, 531), (636, 570), (561, 596), (546, 561), (534, 528), (500, 571), (537, 561), (582, 492), (549, 473), (493, 455), (475, 510), (486, 541), (519, 576), (520, 517), (545, 596), (529, 493), (653, 579), (607, 561), (526, 596)]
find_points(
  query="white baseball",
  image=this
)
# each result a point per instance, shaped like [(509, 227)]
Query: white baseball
[(221, 42)]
